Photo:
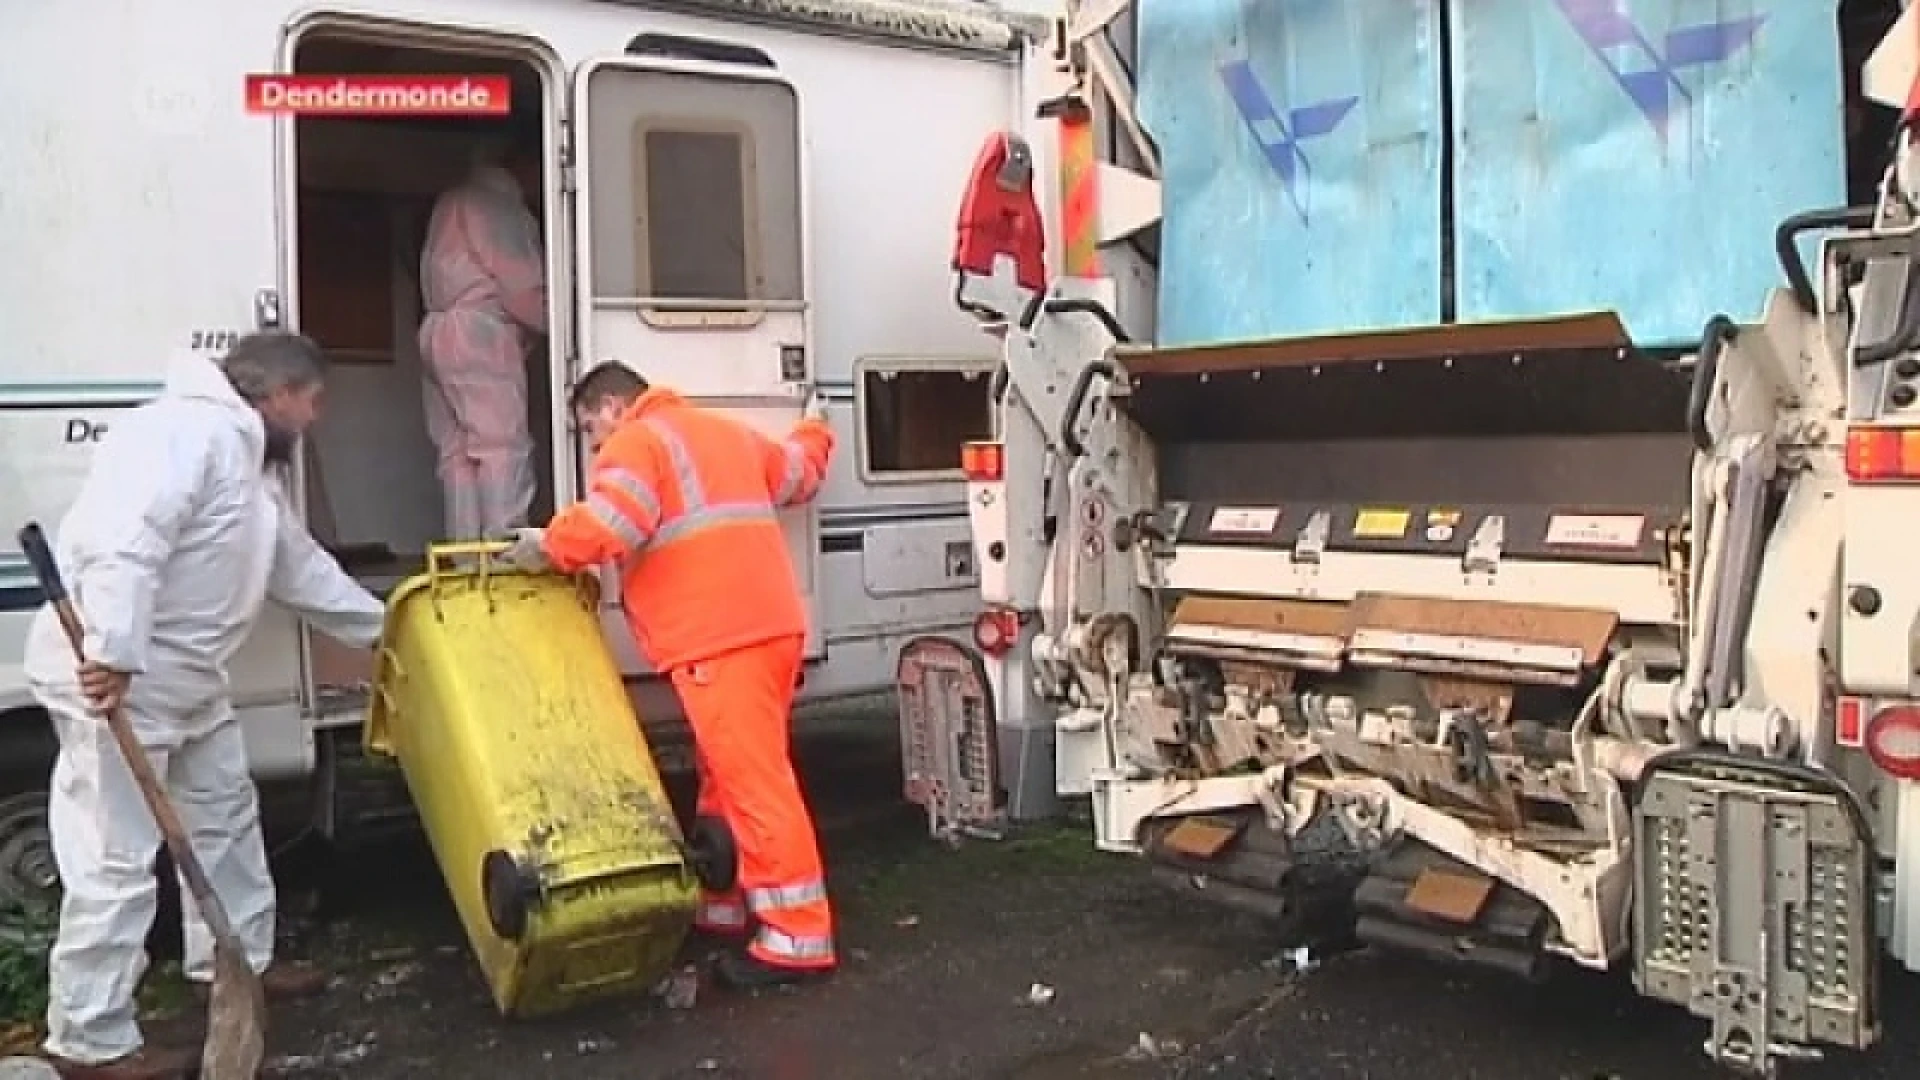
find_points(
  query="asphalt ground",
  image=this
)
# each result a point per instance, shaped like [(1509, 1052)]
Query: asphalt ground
[(1031, 958)]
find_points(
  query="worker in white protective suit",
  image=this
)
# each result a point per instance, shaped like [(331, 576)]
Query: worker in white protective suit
[(180, 534), (482, 276)]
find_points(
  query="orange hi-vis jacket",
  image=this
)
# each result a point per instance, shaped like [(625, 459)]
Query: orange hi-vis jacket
[(685, 497)]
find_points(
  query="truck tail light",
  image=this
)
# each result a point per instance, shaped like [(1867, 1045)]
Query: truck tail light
[(995, 630), (983, 462), (1883, 455), (1893, 741), (1850, 722)]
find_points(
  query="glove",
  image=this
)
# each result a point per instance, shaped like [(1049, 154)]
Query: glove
[(528, 550)]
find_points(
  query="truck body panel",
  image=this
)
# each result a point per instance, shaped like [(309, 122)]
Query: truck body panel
[(1338, 167), (1562, 622)]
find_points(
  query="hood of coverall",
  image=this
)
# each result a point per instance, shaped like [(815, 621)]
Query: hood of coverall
[(192, 610), (196, 378), (499, 180)]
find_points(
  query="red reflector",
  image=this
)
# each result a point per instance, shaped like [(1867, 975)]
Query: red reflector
[(1893, 741), (995, 630), (983, 461), (1848, 722), (1883, 455)]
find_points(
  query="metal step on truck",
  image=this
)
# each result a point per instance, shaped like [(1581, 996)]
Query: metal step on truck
[(1434, 571)]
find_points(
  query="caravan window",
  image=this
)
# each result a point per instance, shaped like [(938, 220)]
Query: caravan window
[(695, 178), (915, 415), (696, 219)]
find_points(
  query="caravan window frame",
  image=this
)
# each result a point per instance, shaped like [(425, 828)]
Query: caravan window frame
[(664, 312), (973, 368)]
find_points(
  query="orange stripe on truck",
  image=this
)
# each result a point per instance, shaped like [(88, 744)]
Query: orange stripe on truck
[(1080, 198)]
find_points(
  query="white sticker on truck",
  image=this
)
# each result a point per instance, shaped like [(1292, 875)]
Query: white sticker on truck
[(1244, 520), (1620, 531)]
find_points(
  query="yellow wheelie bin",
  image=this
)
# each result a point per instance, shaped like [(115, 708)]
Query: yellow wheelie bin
[(496, 692)]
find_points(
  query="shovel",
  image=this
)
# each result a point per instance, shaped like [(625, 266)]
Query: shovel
[(237, 1016)]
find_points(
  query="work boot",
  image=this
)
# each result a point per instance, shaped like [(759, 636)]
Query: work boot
[(740, 970), (146, 1063), (282, 982)]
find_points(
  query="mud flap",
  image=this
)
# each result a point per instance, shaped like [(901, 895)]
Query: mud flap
[(1754, 890), (949, 738)]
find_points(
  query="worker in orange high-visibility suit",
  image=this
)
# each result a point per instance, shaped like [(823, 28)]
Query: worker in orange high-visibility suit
[(684, 498)]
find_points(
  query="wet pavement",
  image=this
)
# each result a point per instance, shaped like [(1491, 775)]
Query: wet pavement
[(1034, 958)]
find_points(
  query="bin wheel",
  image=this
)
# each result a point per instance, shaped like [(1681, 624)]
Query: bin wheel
[(716, 861), (510, 891)]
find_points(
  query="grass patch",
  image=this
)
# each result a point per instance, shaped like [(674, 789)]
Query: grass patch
[(1058, 847), (914, 871), (165, 991), (25, 938)]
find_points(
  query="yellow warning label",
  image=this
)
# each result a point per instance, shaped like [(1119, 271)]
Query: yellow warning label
[(1443, 517), (1381, 524)]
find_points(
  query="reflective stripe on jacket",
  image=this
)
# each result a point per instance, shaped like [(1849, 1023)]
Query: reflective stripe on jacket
[(686, 498)]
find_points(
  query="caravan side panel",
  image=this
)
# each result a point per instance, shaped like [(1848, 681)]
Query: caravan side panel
[(885, 171), (147, 195), (136, 207)]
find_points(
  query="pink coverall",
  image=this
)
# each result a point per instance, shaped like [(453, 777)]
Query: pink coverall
[(481, 275)]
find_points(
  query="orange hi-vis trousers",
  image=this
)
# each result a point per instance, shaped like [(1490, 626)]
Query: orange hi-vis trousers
[(739, 705)]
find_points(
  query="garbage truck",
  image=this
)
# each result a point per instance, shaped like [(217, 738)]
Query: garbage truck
[(1496, 552)]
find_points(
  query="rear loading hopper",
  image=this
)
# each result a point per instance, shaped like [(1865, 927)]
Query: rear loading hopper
[(1425, 546), (1545, 424)]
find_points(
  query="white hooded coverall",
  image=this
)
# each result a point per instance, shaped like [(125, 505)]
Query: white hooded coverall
[(179, 536), (482, 276)]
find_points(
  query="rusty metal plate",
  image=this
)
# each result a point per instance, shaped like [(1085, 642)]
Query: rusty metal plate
[(1585, 629), (1457, 898), (1492, 699), (1201, 837), (1600, 333), (1306, 617)]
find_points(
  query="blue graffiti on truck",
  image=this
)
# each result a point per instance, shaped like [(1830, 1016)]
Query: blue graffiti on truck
[(1647, 70), (1283, 139)]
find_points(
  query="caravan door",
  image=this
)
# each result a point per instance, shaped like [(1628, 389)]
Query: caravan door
[(690, 249)]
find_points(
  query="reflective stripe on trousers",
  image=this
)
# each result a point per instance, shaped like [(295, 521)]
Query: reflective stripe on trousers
[(786, 896), (720, 914), (738, 705), (788, 951), (779, 946)]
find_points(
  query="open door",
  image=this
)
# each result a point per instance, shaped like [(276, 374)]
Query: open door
[(689, 248)]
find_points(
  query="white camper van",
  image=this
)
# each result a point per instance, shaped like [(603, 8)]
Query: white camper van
[(743, 199)]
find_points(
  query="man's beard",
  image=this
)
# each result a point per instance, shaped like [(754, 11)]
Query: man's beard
[(280, 446)]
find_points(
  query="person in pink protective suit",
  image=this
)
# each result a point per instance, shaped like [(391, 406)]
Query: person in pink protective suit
[(482, 275)]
